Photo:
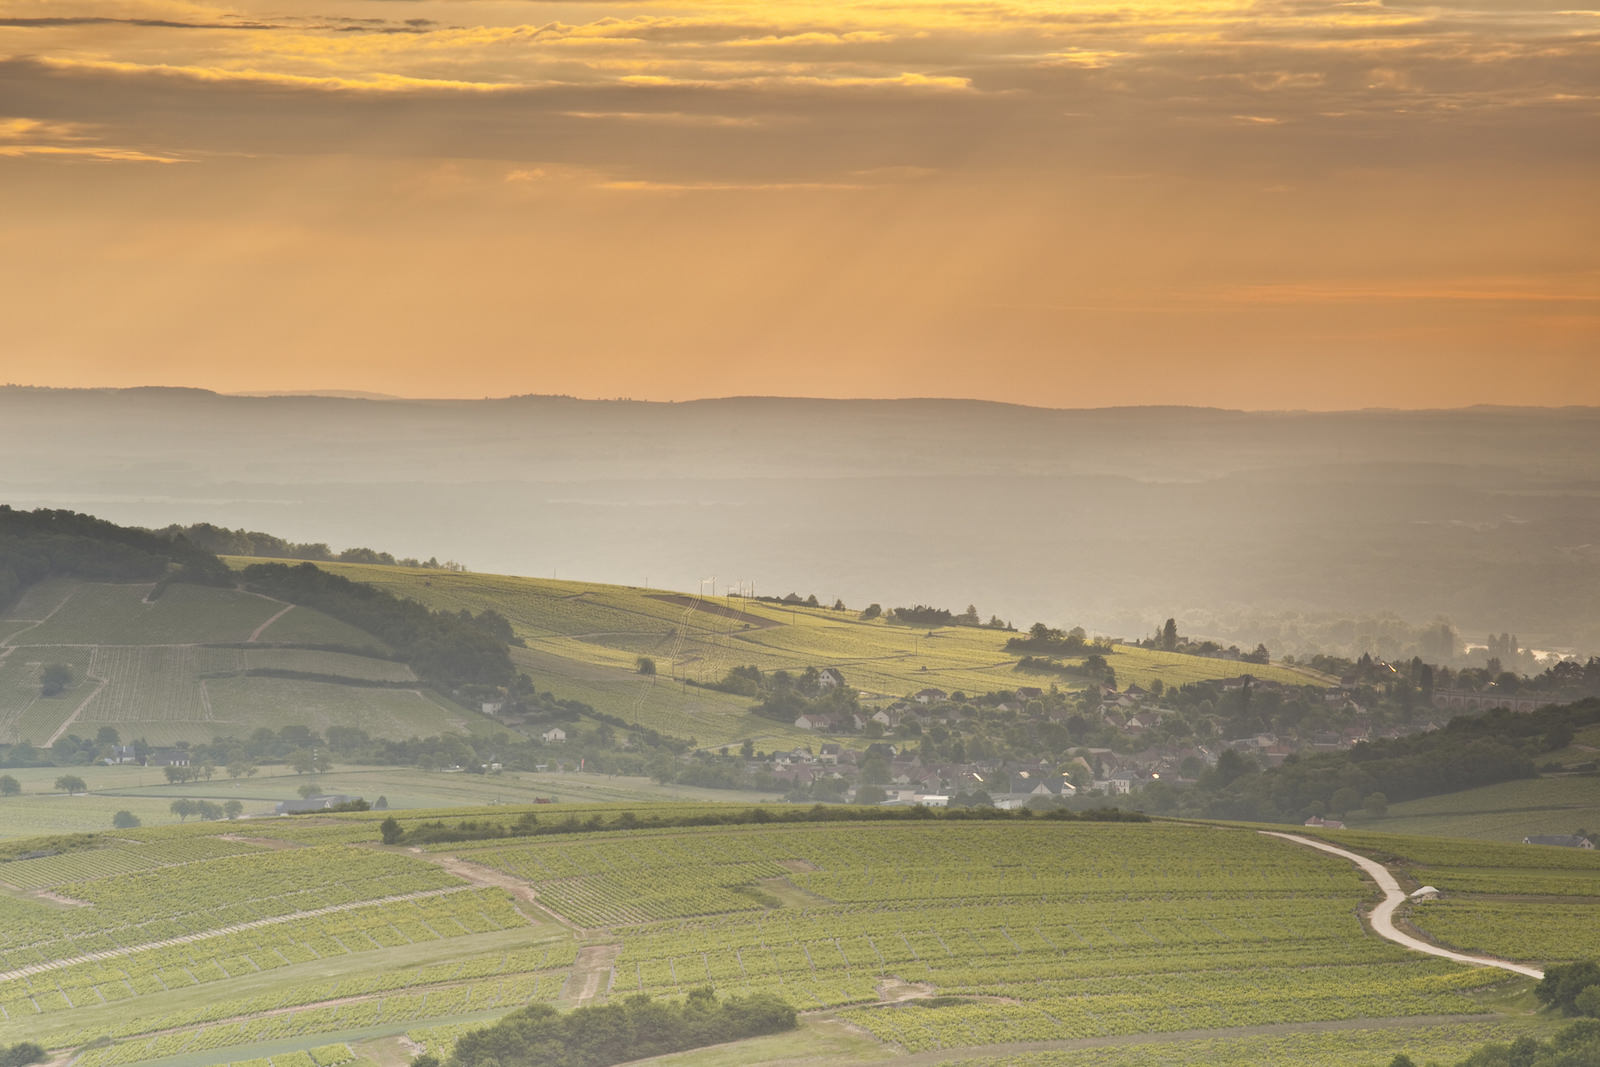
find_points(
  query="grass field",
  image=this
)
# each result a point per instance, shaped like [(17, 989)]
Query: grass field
[(144, 791), (1508, 811), (951, 941)]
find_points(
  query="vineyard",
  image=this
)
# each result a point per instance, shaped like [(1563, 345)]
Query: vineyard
[(584, 640), (153, 668), (1514, 901), (931, 936)]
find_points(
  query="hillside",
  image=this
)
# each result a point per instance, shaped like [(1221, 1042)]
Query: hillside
[(179, 668), (584, 640), (945, 939)]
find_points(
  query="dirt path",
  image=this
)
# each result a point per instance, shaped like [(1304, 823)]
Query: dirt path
[(589, 970), (115, 953), (255, 635), (1382, 917), (70, 719), (488, 877), (11, 640)]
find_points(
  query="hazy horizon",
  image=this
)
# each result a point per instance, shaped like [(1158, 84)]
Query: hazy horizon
[(1243, 524), (376, 395)]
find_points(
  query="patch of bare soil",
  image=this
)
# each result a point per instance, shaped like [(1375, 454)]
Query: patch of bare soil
[(57, 898), (259, 842), (893, 990), (589, 972)]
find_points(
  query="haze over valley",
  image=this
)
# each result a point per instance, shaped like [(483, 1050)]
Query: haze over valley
[(1250, 526)]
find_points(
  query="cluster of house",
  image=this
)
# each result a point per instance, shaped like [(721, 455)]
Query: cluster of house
[(1008, 783)]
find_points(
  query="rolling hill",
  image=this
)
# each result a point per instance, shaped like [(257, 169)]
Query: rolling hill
[(583, 640), (198, 663)]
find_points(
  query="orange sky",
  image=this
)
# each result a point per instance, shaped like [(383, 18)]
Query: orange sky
[(1289, 203)]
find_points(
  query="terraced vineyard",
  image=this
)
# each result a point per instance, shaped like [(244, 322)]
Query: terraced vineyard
[(1025, 941), (154, 668)]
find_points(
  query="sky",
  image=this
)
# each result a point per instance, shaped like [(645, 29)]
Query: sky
[(1277, 204)]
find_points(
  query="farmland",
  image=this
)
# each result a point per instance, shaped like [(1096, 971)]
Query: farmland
[(1508, 900), (188, 666), (1023, 940), (144, 791), (1508, 811)]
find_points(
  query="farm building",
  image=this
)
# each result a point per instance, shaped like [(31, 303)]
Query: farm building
[(1559, 840)]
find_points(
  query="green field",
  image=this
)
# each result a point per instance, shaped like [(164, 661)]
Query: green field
[(1533, 902), (1507, 811), (41, 808), (1018, 941), (153, 669)]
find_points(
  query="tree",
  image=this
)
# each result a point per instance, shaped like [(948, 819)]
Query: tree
[(871, 794), (1169, 635), (9, 786), (1561, 985), (240, 768), (309, 790), (233, 809), (54, 678), (107, 735), (1376, 805), (646, 666), (71, 783), (183, 809), (871, 612), (124, 820), (391, 831)]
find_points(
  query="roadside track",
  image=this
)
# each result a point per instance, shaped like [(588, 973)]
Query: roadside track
[(1382, 917)]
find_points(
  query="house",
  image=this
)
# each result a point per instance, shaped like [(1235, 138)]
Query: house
[(813, 721), (1029, 692), (829, 678), (1427, 892), (930, 696), (493, 707), (167, 757), (1326, 824), (829, 753), (553, 736), (1559, 840), (317, 803)]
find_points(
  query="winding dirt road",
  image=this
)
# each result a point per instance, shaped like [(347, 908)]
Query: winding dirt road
[(1382, 917)]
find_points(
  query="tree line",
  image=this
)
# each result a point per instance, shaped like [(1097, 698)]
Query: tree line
[(225, 542), (528, 824), (47, 543), (451, 651), (1470, 751), (635, 1027)]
